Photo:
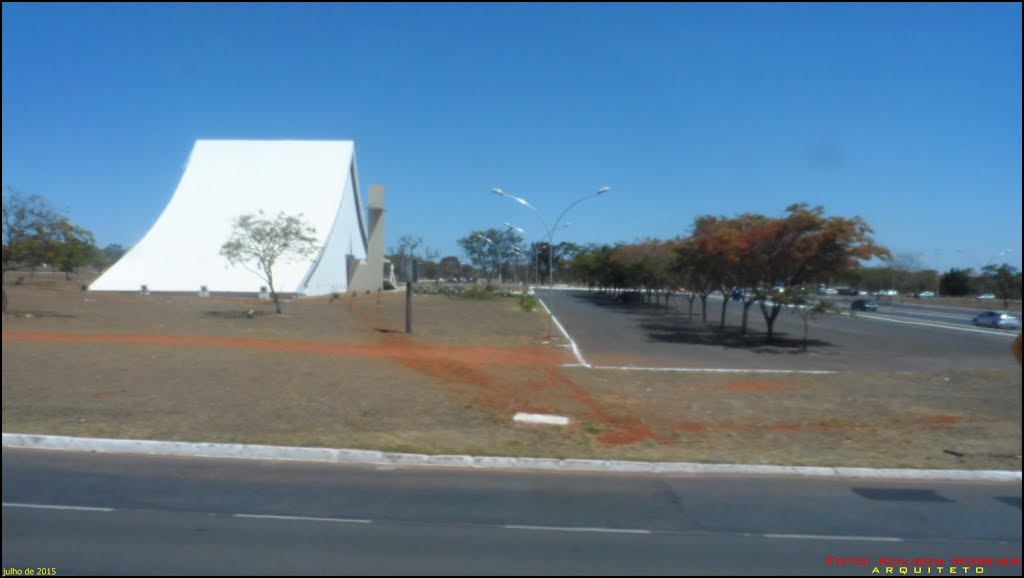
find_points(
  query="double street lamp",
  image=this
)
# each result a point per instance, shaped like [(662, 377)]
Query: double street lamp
[(550, 230)]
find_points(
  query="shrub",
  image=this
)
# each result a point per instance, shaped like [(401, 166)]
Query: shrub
[(527, 302)]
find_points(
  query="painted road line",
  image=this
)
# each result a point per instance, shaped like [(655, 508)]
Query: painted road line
[(576, 529), (940, 326), (829, 537), (303, 518), (715, 370), (56, 507), (575, 349)]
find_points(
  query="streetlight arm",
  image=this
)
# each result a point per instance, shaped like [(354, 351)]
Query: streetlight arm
[(598, 193), (550, 230), (523, 202)]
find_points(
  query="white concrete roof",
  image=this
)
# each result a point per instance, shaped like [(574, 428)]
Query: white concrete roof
[(225, 179)]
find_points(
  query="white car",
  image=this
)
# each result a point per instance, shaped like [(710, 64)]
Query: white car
[(997, 320), (985, 296), (926, 294)]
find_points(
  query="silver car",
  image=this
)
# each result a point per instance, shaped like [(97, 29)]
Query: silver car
[(997, 319)]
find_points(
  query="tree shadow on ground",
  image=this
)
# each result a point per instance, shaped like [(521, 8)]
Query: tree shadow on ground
[(696, 332), (676, 325), (630, 303), (14, 313)]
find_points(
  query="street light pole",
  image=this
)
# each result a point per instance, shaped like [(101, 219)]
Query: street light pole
[(551, 234), (550, 230)]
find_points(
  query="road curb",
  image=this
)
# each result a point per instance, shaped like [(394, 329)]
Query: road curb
[(371, 457)]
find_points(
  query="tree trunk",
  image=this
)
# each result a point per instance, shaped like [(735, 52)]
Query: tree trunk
[(273, 292), (805, 333), (746, 309), (769, 319), (725, 303)]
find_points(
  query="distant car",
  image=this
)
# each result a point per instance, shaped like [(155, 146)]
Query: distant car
[(997, 319), (986, 296), (864, 305), (925, 294)]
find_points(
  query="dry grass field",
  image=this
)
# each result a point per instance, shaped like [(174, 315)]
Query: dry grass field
[(342, 373)]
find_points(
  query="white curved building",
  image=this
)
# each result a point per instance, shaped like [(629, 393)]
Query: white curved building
[(225, 179)]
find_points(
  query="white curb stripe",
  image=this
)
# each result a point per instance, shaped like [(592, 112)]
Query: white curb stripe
[(575, 529), (715, 370), (828, 537), (348, 456), (55, 507), (575, 349), (303, 518)]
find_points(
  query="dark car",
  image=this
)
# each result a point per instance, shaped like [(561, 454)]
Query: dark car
[(864, 305)]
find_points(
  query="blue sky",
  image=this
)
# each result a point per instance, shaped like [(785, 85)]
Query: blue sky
[(906, 115)]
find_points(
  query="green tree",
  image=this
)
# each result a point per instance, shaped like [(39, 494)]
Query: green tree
[(257, 243), (956, 282), (450, 266), (1006, 281), (70, 247), (34, 233), (112, 254), (802, 301), (489, 250)]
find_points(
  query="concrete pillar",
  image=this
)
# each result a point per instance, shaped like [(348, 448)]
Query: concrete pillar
[(369, 275)]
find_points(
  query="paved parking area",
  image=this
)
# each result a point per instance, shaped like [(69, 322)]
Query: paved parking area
[(634, 334)]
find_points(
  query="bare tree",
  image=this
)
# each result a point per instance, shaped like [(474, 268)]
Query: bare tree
[(404, 252), (257, 243), (802, 301)]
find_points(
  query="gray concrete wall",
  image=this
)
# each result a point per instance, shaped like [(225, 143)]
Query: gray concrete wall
[(369, 272)]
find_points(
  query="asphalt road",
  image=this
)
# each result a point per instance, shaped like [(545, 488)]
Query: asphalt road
[(108, 514), (943, 313), (634, 334)]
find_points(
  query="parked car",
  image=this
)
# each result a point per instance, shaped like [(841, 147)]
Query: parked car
[(864, 305), (925, 294), (997, 319), (985, 296)]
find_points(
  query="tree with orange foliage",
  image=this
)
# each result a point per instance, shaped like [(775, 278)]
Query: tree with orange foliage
[(805, 247), (648, 265), (753, 255)]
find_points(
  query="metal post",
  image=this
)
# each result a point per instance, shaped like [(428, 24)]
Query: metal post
[(408, 306)]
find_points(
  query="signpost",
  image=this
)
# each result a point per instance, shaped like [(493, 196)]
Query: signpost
[(411, 275)]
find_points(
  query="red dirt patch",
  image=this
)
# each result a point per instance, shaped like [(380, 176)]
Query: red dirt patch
[(397, 348), (475, 374), (755, 385), (687, 427), (692, 428)]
